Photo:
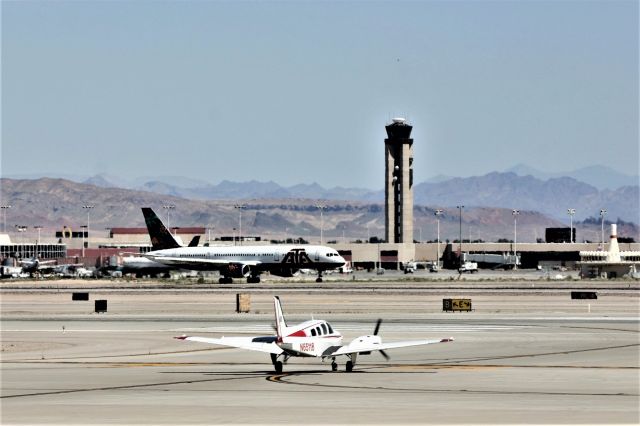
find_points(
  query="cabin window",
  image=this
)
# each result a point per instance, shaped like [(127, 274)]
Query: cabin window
[(319, 331), (330, 329), (324, 329), (313, 331)]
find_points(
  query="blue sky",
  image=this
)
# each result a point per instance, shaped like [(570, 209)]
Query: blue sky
[(299, 92)]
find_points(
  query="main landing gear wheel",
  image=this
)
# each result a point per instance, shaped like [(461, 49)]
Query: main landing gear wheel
[(334, 366), (278, 366), (225, 280), (253, 280), (319, 279), (349, 366)]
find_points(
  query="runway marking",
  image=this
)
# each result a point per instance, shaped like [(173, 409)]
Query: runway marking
[(282, 379), (146, 385)]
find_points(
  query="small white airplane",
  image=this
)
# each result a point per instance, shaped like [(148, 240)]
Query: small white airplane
[(35, 264), (314, 338)]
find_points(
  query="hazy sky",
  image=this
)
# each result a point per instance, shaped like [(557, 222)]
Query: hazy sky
[(299, 92)]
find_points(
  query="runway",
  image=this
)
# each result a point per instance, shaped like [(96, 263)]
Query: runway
[(533, 366)]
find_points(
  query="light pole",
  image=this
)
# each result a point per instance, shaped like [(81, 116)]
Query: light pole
[(602, 213), (209, 229), (460, 207), (4, 220), (83, 232), (38, 227), (88, 207), (169, 207), (234, 236), (571, 212), (515, 214), (240, 207), (438, 212), (321, 207)]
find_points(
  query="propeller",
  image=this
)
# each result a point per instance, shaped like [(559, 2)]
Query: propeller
[(375, 333)]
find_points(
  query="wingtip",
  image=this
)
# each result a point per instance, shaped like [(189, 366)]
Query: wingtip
[(183, 337), (450, 339)]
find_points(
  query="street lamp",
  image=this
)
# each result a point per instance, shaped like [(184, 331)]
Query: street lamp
[(571, 212), (88, 207), (515, 214), (4, 221), (460, 246), (240, 207), (438, 212), (169, 207), (38, 227), (602, 213), (83, 228), (209, 229), (321, 207)]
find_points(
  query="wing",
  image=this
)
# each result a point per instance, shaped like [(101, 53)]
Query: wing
[(369, 347), (260, 344), (185, 261)]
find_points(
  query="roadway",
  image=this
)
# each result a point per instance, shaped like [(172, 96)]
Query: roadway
[(518, 358)]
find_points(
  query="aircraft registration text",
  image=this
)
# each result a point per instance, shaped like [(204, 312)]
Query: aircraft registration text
[(306, 347)]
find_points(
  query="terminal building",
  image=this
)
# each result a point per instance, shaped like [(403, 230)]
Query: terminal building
[(611, 263)]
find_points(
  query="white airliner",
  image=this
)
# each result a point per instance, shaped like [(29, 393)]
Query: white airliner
[(239, 261), (314, 338)]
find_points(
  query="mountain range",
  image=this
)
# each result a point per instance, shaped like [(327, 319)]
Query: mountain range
[(551, 196), (53, 203)]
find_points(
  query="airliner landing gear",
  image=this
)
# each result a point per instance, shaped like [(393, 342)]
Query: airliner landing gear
[(253, 279), (225, 280), (334, 366), (349, 366), (319, 279)]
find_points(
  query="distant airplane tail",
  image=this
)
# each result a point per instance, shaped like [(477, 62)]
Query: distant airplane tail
[(281, 324), (195, 241), (160, 236)]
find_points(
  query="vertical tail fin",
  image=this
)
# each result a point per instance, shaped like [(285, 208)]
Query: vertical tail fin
[(161, 238), (195, 241), (281, 324)]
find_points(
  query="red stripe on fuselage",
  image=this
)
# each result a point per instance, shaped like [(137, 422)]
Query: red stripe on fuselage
[(299, 333)]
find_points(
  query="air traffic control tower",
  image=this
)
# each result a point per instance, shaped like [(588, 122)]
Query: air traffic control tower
[(398, 182)]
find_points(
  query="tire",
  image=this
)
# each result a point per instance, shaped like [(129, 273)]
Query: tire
[(349, 366), (318, 280), (334, 366), (278, 366)]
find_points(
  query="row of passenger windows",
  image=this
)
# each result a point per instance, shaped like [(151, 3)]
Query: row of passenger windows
[(223, 255), (322, 329)]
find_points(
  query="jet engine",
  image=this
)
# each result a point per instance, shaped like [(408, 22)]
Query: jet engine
[(236, 270)]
